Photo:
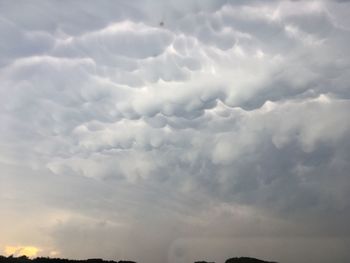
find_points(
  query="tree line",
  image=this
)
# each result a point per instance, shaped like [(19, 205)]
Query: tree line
[(25, 259)]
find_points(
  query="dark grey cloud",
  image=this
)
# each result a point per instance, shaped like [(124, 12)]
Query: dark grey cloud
[(194, 125)]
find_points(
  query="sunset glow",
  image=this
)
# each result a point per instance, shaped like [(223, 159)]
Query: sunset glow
[(28, 251)]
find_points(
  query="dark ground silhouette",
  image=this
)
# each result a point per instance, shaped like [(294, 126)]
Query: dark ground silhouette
[(24, 259), (247, 260)]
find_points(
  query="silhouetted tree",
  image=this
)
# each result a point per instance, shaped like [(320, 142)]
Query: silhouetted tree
[(246, 260)]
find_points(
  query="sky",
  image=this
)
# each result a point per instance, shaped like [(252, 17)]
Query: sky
[(174, 131)]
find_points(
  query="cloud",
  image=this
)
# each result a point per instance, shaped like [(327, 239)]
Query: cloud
[(228, 121)]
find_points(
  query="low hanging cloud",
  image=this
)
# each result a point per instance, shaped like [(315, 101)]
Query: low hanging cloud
[(156, 130)]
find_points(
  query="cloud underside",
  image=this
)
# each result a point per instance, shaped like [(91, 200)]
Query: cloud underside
[(193, 125)]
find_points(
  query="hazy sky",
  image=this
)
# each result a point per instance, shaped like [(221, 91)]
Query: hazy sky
[(174, 131)]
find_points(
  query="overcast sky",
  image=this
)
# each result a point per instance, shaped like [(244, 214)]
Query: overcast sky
[(174, 131)]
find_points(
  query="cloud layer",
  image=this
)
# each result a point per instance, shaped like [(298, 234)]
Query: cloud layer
[(156, 130)]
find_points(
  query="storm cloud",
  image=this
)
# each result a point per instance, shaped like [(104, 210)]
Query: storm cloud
[(173, 131)]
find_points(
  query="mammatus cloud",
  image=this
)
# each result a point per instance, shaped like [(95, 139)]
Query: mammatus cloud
[(154, 130)]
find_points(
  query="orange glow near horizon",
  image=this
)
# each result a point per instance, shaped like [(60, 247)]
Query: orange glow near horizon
[(29, 251)]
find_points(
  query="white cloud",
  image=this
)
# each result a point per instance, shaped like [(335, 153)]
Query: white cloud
[(224, 112)]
